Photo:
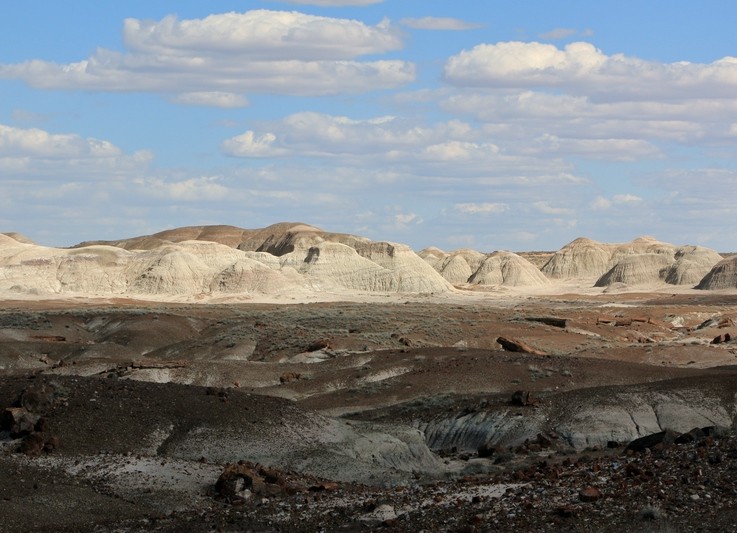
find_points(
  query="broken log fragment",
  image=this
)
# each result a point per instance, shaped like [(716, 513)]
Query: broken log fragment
[(518, 346), (624, 322), (549, 321)]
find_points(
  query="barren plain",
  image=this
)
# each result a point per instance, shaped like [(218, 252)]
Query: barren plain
[(293, 401)]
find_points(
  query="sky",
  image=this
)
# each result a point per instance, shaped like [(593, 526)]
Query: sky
[(485, 125)]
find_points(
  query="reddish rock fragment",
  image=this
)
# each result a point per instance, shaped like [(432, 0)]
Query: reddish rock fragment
[(319, 344), (512, 345), (589, 494), (288, 377)]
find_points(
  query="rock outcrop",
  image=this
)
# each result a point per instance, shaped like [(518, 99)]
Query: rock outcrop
[(722, 276), (506, 268), (499, 268), (279, 260), (642, 261)]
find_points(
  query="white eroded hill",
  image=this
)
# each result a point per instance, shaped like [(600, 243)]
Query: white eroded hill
[(289, 259), (298, 261), (722, 276), (496, 269), (642, 261)]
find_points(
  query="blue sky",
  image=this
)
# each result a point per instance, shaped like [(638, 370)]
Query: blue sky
[(490, 125)]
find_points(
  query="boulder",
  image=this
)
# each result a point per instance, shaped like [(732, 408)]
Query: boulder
[(18, 421), (512, 345), (654, 439)]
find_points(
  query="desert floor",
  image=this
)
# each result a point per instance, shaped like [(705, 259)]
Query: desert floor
[(391, 413)]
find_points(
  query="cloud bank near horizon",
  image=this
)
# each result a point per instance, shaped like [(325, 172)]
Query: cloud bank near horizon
[(337, 121)]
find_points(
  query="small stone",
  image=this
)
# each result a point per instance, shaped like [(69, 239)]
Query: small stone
[(589, 494)]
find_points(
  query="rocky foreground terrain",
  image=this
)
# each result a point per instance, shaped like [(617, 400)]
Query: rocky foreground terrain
[(290, 379), (584, 413)]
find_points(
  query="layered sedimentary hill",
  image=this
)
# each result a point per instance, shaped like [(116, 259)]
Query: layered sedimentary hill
[(297, 261), (499, 268), (642, 261), (722, 276), (285, 259)]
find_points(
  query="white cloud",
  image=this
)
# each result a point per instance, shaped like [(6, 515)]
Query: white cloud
[(587, 126), (211, 99), (547, 209), (481, 208), (36, 153), (251, 145), (321, 135), (260, 34), (236, 53), (601, 204), (629, 199), (407, 218), (33, 142), (395, 146), (439, 23), (193, 189), (582, 68), (612, 149)]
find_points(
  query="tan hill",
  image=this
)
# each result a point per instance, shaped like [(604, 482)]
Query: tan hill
[(644, 260), (18, 237), (457, 267), (636, 269), (277, 239), (507, 268), (582, 258), (299, 260), (722, 276), (500, 268)]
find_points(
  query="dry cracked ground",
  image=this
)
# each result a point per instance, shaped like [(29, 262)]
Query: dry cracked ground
[(570, 413)]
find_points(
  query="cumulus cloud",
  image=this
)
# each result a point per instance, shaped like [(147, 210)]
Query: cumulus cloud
[(611, 149), (439, 23), (481, 208), (211, 99), (582, 68), (260, 34), (547, 209), (629, 199), (18, 142), (32, 152), (192, 190), (251, 145), (407, 218), (601, 203), (318, 134), (396, 146), (587, 126), (233, 53)]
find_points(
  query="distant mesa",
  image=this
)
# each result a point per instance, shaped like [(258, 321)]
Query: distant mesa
[(295, 261)]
